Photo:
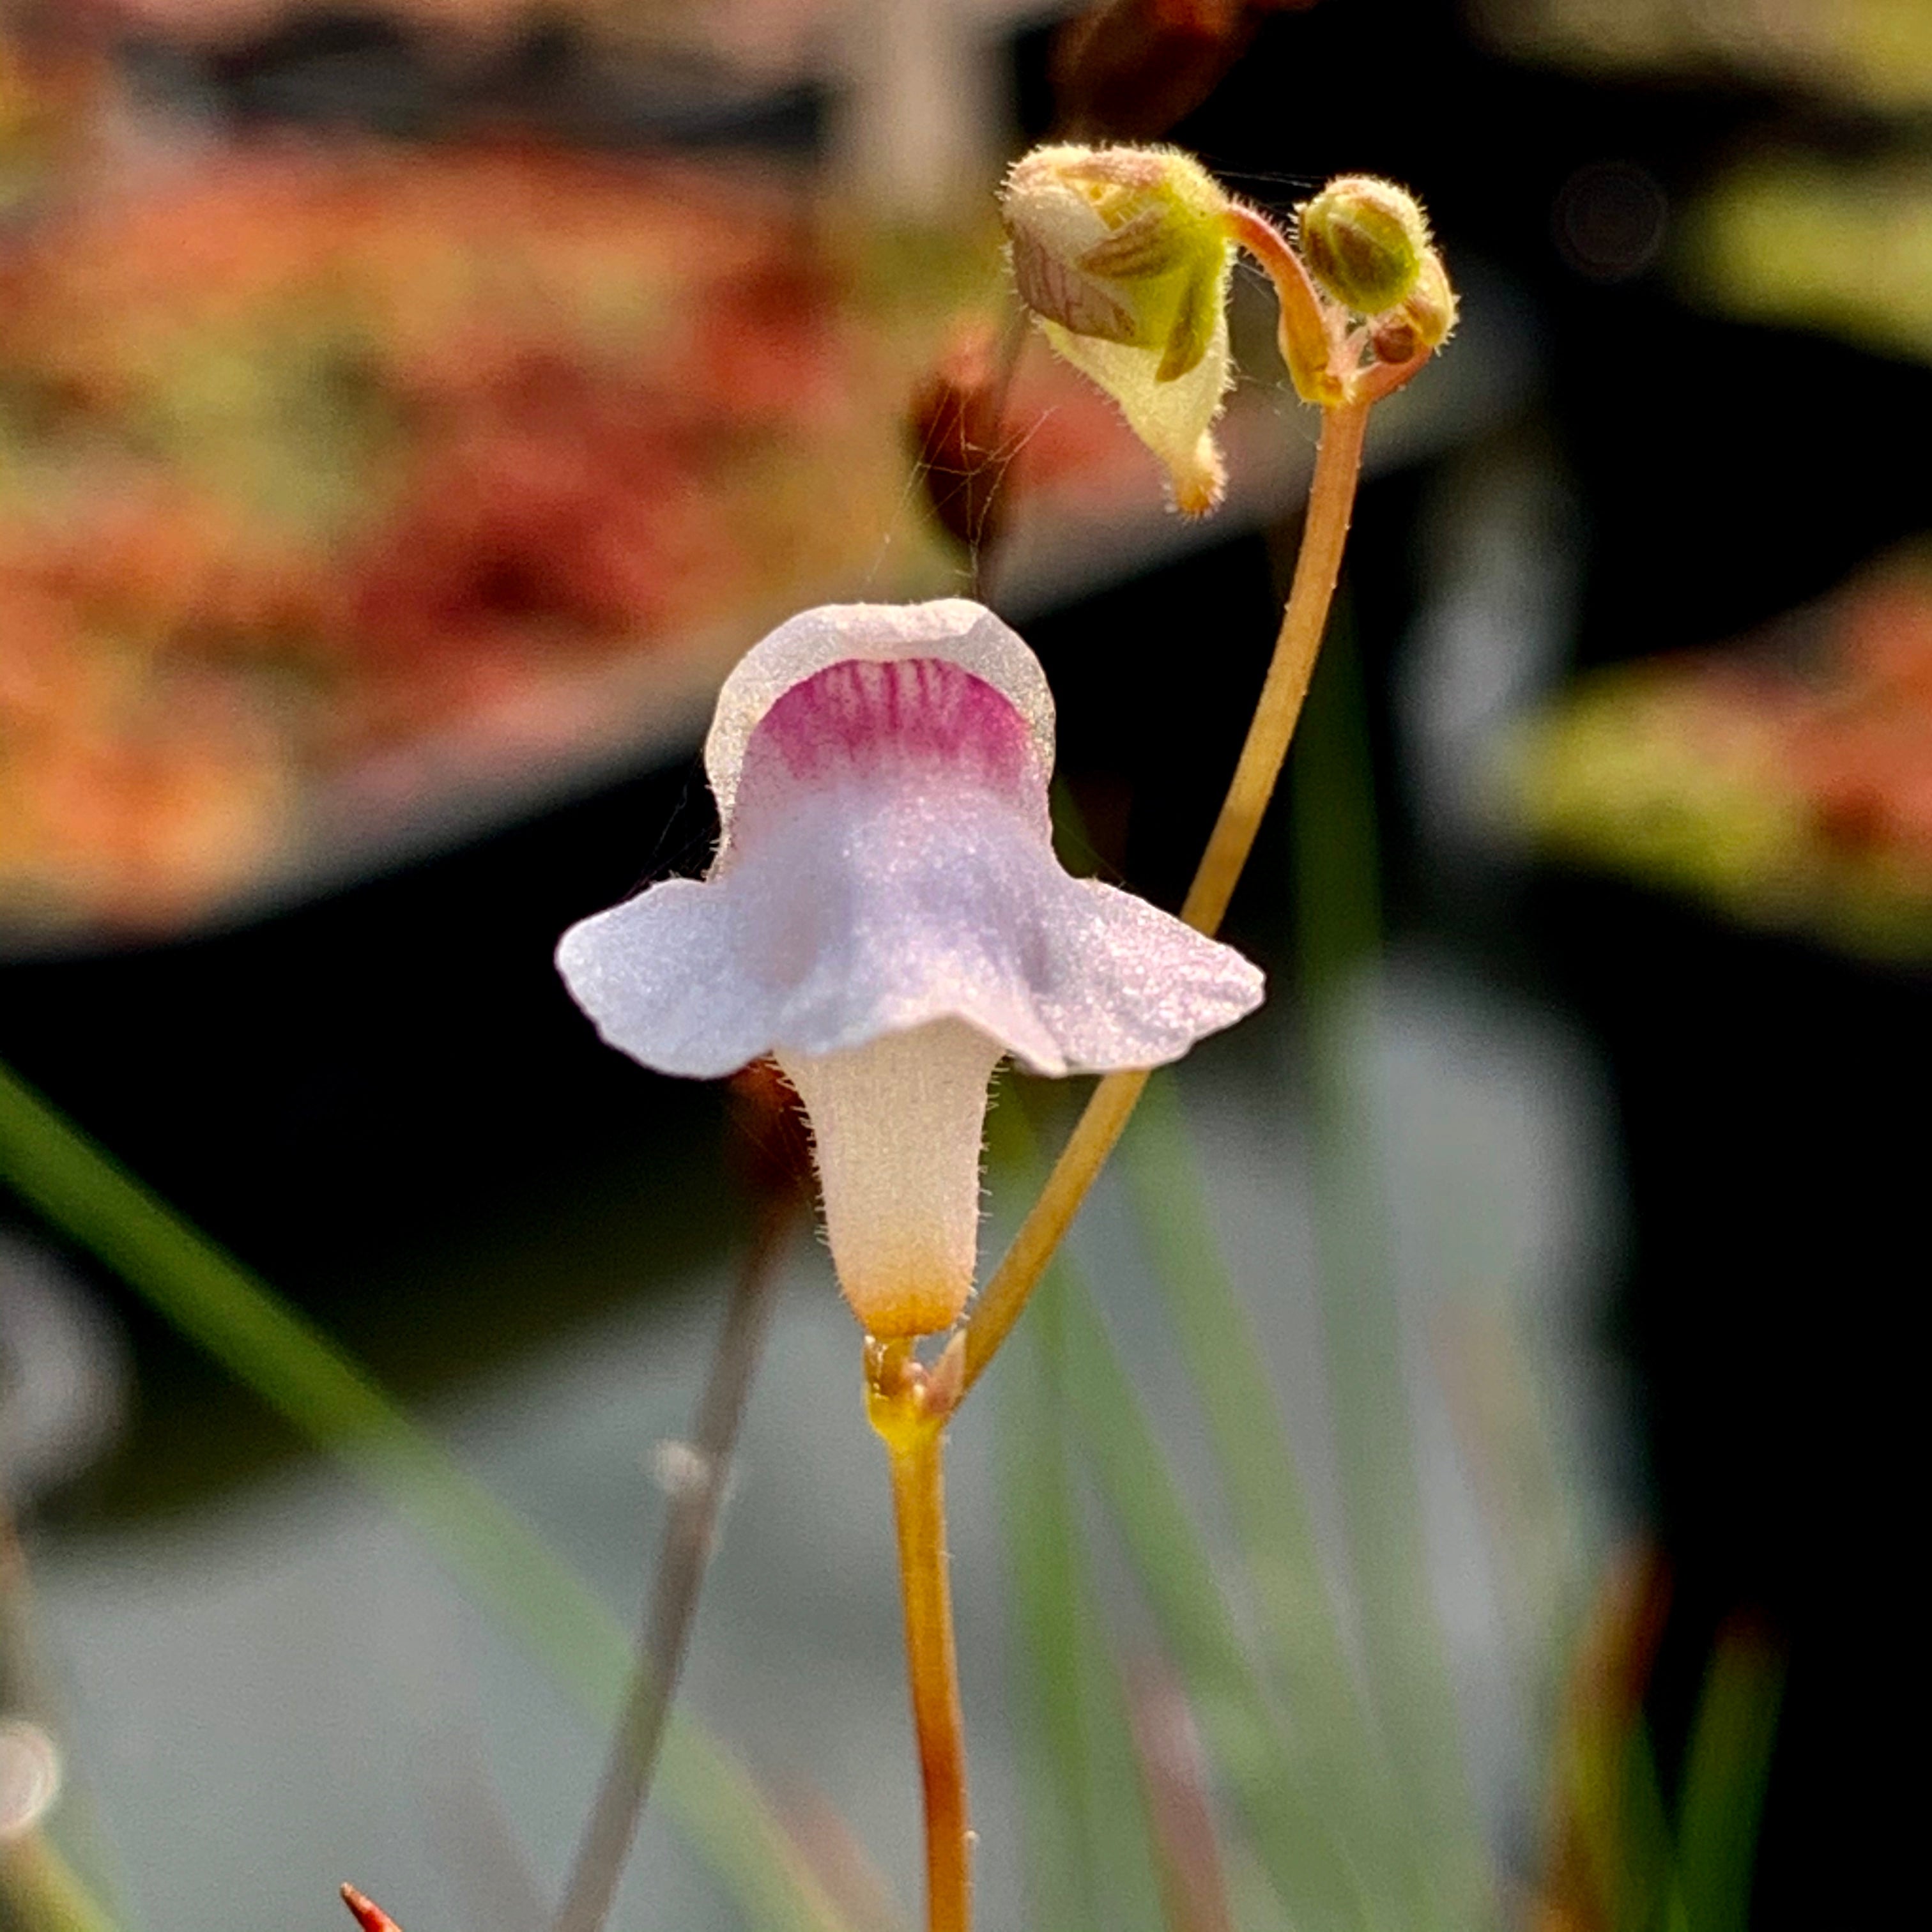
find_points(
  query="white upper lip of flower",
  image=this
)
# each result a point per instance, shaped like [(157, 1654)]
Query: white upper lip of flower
[(952, 628), (885, 861)]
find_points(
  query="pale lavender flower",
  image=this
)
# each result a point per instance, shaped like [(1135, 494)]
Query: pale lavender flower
[(885, 917)]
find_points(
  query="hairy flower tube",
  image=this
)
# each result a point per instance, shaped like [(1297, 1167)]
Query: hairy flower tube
[(886, 918)]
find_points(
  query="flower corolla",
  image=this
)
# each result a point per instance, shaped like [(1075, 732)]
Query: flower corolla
[(885, 917)]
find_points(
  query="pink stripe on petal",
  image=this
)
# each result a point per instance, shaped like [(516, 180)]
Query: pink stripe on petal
[(924, 721)]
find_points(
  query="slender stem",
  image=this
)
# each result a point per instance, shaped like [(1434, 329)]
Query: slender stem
[(919, 1502), (914, 1437), (1006, 1294), (682, 1560), (1331, 501)]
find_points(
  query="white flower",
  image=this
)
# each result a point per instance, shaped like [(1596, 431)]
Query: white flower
[(885, 917)]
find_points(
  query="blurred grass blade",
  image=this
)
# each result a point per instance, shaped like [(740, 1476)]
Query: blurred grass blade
[(1610, 1859), (298, 1371), (684, 1555), (1255, 1906), (1335, 863), (1180, 1814), (1628, 1833), (1416, 1718), (28, 1680), (1329, 1733), (1727, 1767), (1315, 1882), (1327, 1740), (41, 1892), (1042, 1555), (1308, 1870), (1087, 1843)]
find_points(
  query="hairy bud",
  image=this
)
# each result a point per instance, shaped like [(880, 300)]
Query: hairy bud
[(1123, 255), (1365, 242)]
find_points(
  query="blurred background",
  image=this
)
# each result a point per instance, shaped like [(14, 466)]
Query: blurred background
[(409, 409)]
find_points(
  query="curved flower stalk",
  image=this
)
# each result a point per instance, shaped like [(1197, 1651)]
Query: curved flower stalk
[(1364, 305), (886, 919)]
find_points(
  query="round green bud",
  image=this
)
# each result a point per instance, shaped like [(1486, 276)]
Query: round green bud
[(1364, 241)]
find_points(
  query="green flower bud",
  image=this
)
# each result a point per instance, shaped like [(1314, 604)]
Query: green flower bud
[(1364, 241), (1123, 255)]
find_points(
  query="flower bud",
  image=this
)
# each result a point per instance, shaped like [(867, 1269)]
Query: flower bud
[(1135, 67), (956, 415), (1422, 322), (1123, 256), (1364, 241)]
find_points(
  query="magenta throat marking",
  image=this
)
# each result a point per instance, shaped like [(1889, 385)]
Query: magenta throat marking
[(863, 719)]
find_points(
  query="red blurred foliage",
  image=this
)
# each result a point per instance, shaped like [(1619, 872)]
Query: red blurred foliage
[(398, 442), (128, 779), (553, 508), (556, 505), (434, 251), (158, 563)]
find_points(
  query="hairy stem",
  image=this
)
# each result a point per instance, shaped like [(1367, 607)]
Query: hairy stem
[(914, 1437), (1307, 345), (1331, 501)]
